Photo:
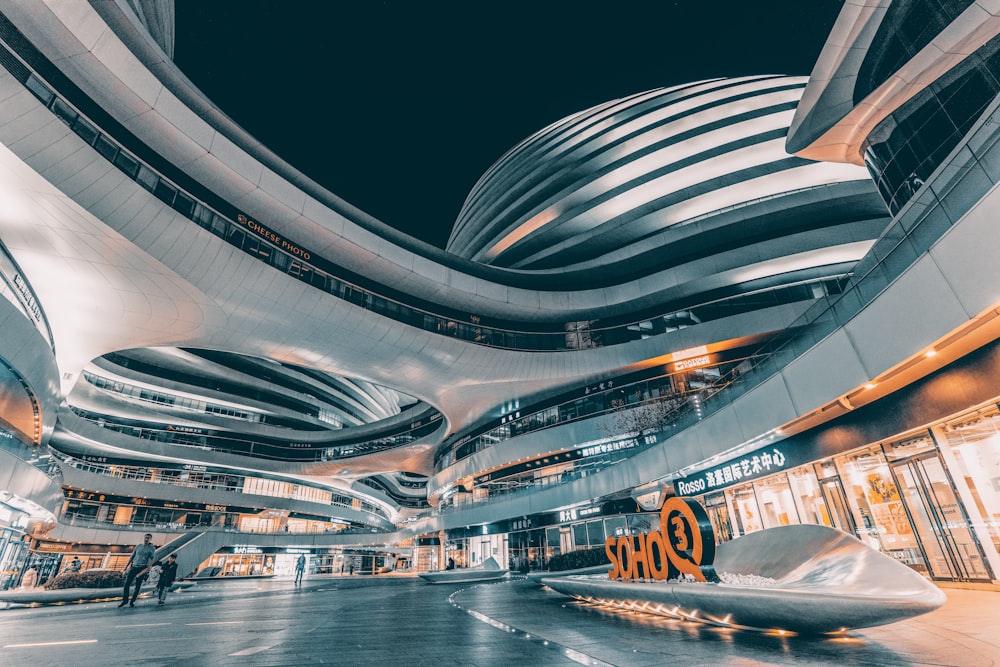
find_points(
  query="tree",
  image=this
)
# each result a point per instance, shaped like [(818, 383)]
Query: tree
[(642, 418)]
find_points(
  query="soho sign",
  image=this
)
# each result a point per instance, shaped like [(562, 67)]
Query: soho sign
[(684, 544)]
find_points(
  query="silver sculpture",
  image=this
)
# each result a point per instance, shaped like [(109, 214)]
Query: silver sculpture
[(803, 578)]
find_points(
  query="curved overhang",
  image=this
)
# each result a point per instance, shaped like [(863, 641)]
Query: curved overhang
[(29, 377), (828, 124), (133, 81)]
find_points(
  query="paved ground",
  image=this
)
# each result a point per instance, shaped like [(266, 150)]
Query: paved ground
[(405, 621)]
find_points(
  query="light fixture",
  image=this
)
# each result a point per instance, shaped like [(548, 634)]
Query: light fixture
[(930, 353), (870, 385)]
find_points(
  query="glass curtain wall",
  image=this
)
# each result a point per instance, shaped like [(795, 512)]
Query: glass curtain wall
[(930, 498)]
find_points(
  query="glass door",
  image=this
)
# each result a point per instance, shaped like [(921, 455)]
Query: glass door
[(836, 502), (746, 512), (942, 527), (718, 513)]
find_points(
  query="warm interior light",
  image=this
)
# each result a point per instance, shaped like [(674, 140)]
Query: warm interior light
[(870, 385), (930, 353)]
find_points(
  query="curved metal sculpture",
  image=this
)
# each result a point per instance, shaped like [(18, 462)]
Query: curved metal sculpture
[(490, 570), (537, 577), (803, 578)]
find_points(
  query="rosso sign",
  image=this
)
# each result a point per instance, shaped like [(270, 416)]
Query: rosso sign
[(684, 545)]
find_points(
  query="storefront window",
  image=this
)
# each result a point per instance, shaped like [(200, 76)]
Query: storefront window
[(877, 506), (745, 510), (643, 523), (580, 536), (942, 527), (615, 526), (808, 497), (553, 544), (835, 497), (774, 498), (595, 532), (973, 444), (718, 513)]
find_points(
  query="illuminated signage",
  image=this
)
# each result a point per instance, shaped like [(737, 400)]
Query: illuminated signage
[(247, 550), (185, 429), (84, 495), (273, 237), (607, 447), (566, 516), (520, 524), (757, 464), (602, 386), (684, 544), (80, 495), (694, 362)]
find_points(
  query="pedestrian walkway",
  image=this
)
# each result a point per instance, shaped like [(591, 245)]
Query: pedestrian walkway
[(385, 620)]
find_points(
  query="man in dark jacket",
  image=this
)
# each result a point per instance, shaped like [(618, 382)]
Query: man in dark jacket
[(137, 568), (166, 578)]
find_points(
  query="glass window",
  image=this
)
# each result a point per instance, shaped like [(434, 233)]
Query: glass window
[(974, 442), (875, 501), (941, 525), (63, 112), (745, 509), (718, 512), (643, 523), (127, 164), (615, 526), (40, 90), (165, 192), (85, 130), (580, 535), (552, 541), (147, 178), (774, 498), (106, 147), (184, 205), (595, 532), (808, 497)]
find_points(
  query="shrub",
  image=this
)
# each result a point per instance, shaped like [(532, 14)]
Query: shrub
[(95, 578), (574, 560)]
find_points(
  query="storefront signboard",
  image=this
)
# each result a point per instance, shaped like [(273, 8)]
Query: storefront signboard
[(759, 463)]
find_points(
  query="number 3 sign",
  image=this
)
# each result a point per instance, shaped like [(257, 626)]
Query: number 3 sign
[(684, 545)]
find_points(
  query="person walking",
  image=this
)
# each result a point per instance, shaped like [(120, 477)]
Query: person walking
[(167, 577), (300, 568), (137, 567)]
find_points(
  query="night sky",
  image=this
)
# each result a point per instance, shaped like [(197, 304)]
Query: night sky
[(400, 106)]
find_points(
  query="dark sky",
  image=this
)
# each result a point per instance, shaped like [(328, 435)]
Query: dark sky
[(399, 106)]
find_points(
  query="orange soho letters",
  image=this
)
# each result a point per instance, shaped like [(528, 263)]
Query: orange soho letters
[(683, 545)]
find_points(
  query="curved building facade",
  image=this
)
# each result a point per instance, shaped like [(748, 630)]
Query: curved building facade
[(660, 179), (695, 290)]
